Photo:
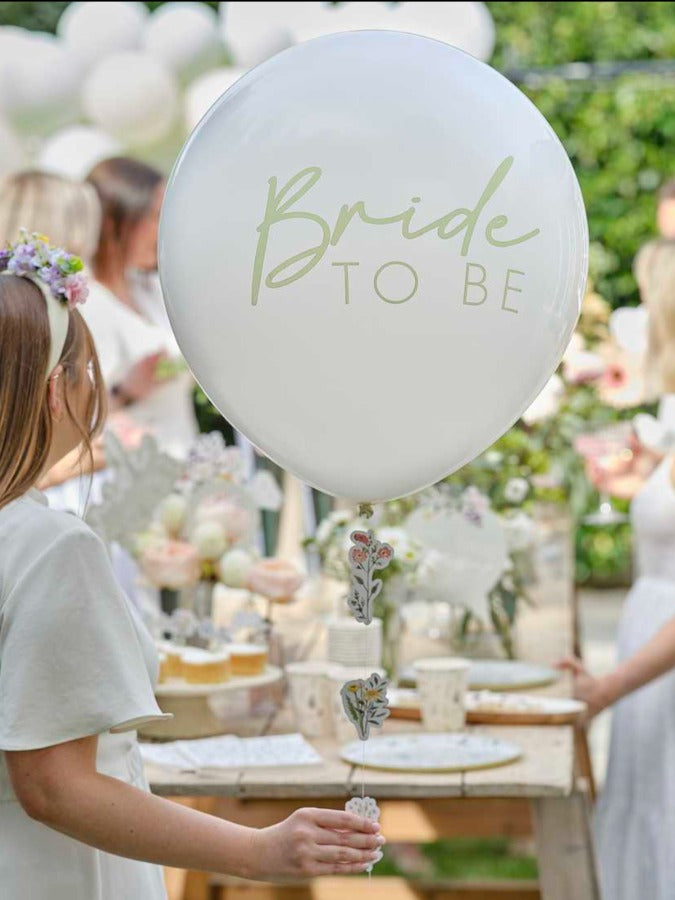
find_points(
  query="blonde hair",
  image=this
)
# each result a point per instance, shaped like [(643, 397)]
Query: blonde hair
[(657, 286), (25, 417), (68, 212)]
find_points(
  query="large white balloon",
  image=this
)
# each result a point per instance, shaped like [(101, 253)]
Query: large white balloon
[(185, 36), (75, 151), (133, 96), (373, 251), (203, 93), (93, 30), (467, 25), (39, 81)]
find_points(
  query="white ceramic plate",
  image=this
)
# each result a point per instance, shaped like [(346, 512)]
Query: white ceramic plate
[(176, 688), (500, 675), (431, 752)]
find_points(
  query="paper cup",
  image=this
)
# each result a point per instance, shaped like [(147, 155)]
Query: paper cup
[(338, 675), (441, 685), (310, 692)]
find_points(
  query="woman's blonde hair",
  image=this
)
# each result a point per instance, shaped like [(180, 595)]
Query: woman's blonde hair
[(657, 287), (68, 212), (25, 417)]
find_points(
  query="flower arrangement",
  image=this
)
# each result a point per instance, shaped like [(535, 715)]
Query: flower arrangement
[(205, 531), (32, 256)]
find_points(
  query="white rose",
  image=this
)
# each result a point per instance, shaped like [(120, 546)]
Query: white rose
[(519, 531), (210, 540), (516, 490), (172, 512), (234, 568)]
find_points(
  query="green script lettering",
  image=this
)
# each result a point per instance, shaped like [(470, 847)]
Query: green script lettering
[(279, 209)]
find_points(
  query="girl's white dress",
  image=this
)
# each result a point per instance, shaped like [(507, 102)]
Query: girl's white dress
[(74, 661), (635, 825)]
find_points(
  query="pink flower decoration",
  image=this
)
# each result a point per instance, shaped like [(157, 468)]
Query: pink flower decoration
[(276, 579), (172, 564), (235, 519), (76, 290), (358, 555), (385, 552), (361, 537)]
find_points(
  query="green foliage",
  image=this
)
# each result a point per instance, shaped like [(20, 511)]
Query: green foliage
[(548, 34), (464, 858)]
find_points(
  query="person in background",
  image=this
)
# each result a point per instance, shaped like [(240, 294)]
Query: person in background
[(77, 666), (636, 811), (126, 314)]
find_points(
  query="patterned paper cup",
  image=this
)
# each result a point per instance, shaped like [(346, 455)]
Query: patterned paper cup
[(310, 692), (441, 685)]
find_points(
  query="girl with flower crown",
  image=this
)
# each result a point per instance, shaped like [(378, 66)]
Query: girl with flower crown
[(76, 665)]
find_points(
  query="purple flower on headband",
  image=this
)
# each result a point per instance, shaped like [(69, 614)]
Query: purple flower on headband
[(22, 261), (58, 270)]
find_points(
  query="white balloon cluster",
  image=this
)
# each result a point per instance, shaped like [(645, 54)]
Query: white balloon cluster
[(117, 78)]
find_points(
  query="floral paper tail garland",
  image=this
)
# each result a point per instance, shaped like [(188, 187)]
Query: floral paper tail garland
[(365, 703), (367, 808), (367, 556)]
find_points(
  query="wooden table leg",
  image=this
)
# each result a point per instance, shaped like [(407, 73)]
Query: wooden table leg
[(565, 848)]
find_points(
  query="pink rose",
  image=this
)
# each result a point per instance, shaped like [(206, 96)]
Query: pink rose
[(276, 579), (76, 289), (222, 509), (171, 564)]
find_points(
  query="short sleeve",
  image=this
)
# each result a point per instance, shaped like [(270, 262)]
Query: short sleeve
[(71, 661)]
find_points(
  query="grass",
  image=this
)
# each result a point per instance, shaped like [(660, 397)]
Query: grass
[(466, 859)]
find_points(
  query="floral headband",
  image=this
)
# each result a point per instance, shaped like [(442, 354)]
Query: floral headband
[(57, 274)]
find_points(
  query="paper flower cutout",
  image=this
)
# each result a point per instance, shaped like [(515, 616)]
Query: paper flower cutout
[(364, 806), (365, 703), (367, 555), (368, 808)]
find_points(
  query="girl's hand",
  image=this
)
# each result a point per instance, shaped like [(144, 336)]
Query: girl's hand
[(312, 842), (591, 690)]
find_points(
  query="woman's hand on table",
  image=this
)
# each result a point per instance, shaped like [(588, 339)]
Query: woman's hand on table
[(591, 690), (312, 842)]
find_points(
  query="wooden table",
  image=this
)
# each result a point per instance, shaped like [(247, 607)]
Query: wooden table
[(542, 790)]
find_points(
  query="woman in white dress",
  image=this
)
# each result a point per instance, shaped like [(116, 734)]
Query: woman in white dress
[(127, 315), (636, 812), (76, 665)]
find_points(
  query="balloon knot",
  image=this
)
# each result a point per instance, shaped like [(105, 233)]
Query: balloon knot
[(365, 510)]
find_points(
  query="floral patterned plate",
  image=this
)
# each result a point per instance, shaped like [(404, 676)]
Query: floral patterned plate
[(431, 752)]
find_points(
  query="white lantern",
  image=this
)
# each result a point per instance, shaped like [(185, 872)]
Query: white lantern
[(93, 30), (39, 81), (133, 96), (185, 37), (74, 151), (203, 93)]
